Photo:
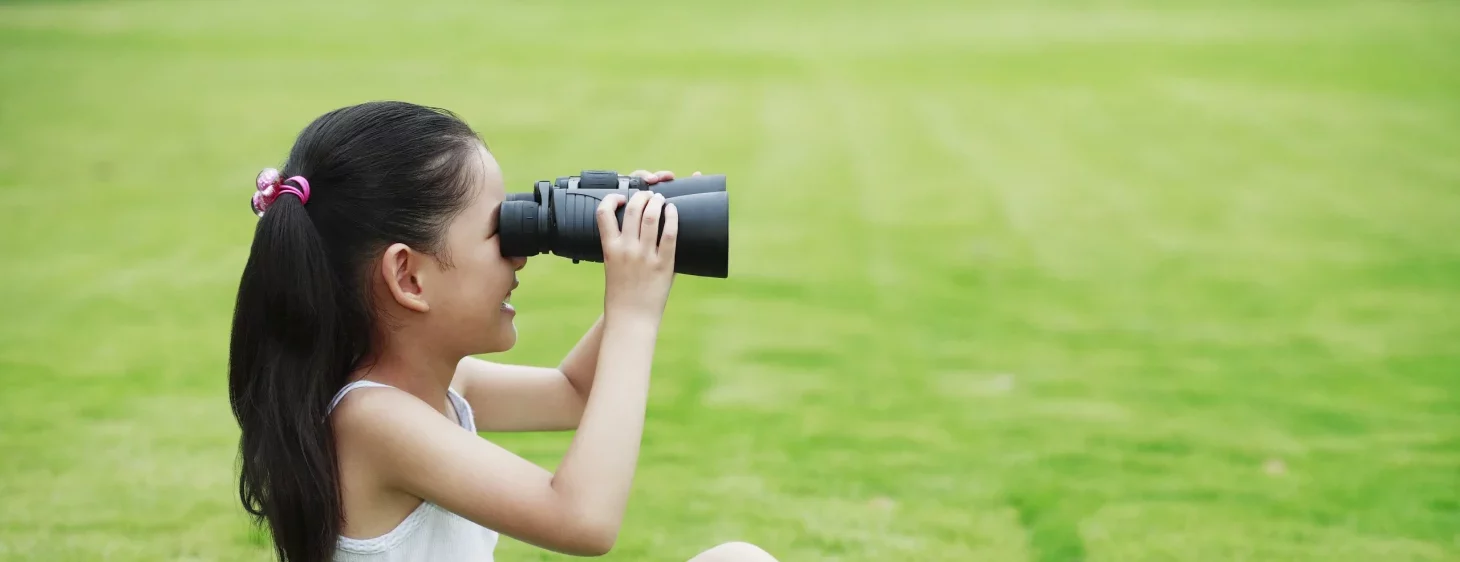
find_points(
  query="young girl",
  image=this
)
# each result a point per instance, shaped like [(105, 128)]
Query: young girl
[(375, 274)]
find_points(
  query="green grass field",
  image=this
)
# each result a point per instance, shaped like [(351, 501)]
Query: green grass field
[(1032, 281)]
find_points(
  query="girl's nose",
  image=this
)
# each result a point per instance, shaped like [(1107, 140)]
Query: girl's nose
[(518, 263)]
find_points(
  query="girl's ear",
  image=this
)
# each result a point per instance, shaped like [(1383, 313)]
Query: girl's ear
[(402, 270)]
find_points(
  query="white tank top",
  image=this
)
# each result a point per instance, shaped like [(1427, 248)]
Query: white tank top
[(428, 533)]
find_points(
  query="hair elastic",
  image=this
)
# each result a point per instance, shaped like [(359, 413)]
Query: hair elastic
[(270, 188)]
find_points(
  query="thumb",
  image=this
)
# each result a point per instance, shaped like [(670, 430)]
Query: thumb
[(607, 221)]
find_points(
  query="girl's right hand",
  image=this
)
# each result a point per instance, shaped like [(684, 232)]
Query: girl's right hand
[(638, 271)]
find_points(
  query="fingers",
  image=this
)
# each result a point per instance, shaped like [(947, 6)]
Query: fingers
[(607, 216), (670, 239), (634, 213), (649, 226), (652, 178)]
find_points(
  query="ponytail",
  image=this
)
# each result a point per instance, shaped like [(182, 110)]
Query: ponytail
[(285, 364)]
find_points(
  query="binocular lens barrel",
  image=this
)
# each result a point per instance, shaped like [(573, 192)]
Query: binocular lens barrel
[(561, 218)]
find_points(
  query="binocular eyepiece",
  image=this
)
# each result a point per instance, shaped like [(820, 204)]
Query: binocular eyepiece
[(560, 217)]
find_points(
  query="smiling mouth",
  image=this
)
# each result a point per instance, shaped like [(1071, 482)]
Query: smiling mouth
[(507, 301)]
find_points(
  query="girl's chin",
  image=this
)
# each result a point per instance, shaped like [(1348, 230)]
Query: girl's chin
[(505, 338)]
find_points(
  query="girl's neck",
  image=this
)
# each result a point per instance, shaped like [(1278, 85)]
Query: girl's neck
[(414, 367)]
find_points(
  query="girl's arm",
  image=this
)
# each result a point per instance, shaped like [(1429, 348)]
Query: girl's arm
[(526, 398), (523, 398), (578, 509)]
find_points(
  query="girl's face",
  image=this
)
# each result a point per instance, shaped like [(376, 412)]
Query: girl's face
[(469, 296)]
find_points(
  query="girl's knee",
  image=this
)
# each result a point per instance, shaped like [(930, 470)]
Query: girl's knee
[(735, 552)]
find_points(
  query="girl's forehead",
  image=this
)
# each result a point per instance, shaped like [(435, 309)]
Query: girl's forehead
[(487, 190), (488, 175)]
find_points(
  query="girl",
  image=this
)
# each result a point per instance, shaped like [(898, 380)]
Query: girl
[(375, 274)]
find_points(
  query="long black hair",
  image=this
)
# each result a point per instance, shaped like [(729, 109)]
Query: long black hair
[(379, 173)]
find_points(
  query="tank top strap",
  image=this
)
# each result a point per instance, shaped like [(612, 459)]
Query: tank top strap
[(464, 415), (352, 386)]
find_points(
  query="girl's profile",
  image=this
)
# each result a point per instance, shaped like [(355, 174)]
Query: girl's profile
[(374, 278)]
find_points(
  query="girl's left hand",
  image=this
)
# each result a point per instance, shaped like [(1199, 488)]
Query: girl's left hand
[(652, 178)]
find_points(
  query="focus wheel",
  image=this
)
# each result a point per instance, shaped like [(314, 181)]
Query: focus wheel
[(598, 179)]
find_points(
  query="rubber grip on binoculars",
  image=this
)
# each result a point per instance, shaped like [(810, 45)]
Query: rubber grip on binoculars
[(703, 241), (578, 221)]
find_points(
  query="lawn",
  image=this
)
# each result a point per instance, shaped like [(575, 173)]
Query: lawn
[(1031, 281)]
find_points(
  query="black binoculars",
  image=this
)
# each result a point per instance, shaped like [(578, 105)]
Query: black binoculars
[(561, 217)]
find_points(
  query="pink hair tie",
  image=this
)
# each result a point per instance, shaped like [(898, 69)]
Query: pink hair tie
[(270, 188)]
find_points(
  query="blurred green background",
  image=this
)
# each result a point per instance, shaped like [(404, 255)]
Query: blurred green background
[(1020, 281)]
